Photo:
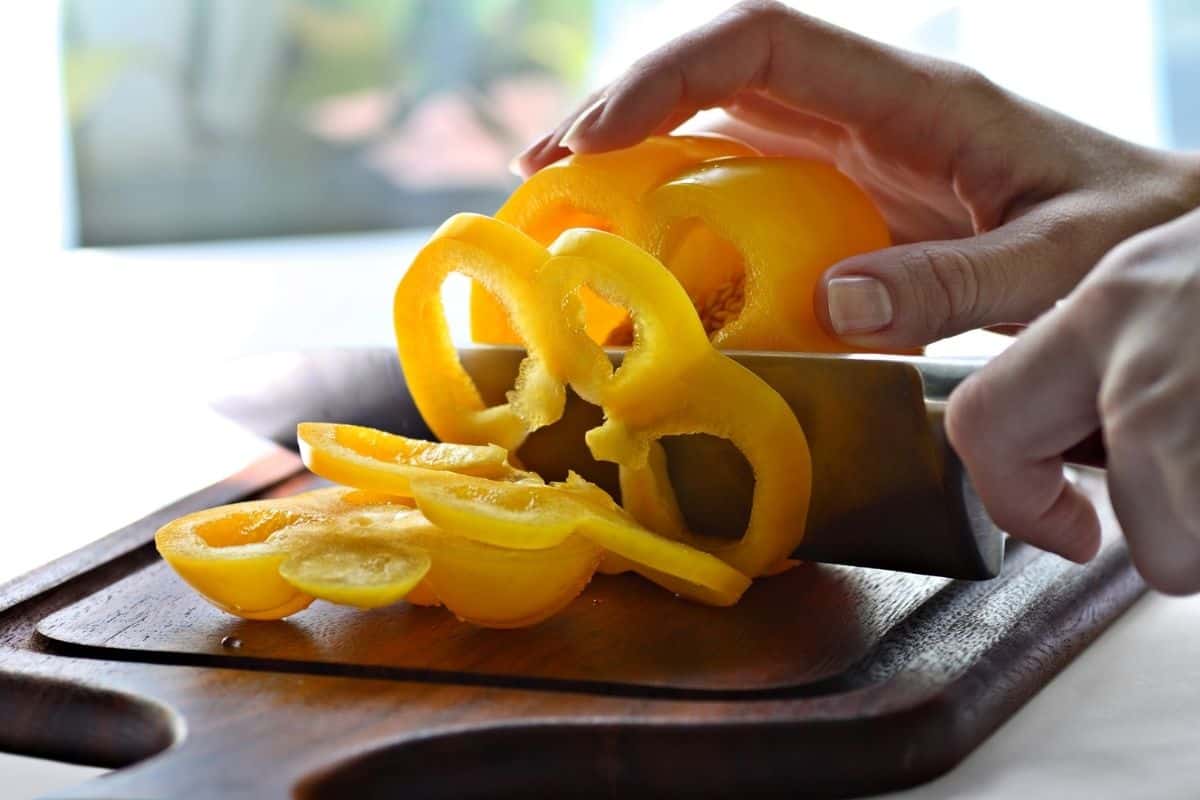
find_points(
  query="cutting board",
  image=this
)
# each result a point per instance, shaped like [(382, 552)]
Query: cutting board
[(822, 682)]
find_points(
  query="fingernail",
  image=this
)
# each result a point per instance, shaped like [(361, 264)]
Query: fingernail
[(858, 305), (514, 166), (582, 123)]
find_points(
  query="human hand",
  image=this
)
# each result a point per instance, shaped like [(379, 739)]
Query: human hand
[(1121, 353), (1001, 206)]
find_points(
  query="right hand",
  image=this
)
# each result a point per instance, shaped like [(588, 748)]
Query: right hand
[(1001, 206)]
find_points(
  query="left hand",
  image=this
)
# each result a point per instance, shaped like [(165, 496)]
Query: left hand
[(1121, 353)]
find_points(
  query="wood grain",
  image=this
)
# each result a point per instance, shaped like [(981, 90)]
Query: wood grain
[(830, 683)]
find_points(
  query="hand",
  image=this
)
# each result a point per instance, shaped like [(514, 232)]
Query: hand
[(1122, 353), (1003, 205), (1001, 208)]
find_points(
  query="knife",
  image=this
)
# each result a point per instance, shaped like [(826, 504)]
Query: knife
[(888, 491)]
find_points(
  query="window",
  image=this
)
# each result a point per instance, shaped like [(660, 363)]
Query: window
[(198, 119)]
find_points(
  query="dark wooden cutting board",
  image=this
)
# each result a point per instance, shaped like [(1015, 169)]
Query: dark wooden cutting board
[(824, 681)]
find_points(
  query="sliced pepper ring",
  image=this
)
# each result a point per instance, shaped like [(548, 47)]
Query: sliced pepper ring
[(513, 516), (668, 336), (672, 382), (356, 571), (374, 460), (268, 559), (503, 260), (232, 555)]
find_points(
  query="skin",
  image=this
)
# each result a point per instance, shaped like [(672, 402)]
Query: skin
[(1006, 213)]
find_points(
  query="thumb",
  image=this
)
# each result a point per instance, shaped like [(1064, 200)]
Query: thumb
[(914, 294)]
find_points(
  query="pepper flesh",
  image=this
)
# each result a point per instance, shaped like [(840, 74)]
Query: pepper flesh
[(232, 554), (505, 261), (503, 548), (520, 517), (747, 236), (672, 381), (769, 227), (522, 514), (602, 191), (508, 514), (269, 559), (373, 460)]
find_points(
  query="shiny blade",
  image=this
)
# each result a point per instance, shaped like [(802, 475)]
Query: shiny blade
[(888, 492)]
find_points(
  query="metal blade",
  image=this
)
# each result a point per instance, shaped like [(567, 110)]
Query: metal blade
[(887, 490)]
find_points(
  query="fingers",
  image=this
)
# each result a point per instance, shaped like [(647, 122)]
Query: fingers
[(765, 47), (549, 148), (917, 293), (1010, 423), (764, 114), (1143, 300), (1164, 545)]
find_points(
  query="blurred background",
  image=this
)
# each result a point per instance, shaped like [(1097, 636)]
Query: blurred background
[(214, 119)]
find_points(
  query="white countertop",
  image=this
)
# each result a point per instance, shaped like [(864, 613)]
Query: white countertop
[(109, 354)]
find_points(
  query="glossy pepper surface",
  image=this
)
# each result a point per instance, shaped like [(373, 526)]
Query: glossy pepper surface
[(672, 380), (747, 236)]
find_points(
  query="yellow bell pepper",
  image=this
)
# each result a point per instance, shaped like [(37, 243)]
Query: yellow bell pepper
[(269, 559), (672, 381), (504, 261), (674, 247), (602, 191), (373, 460), (232, 555), (747, 236), (522, 516), (517, 511)]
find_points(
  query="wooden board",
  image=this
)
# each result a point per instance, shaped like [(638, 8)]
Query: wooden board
[(824, 682)]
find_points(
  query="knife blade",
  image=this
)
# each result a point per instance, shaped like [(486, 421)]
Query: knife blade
[(888, 490)]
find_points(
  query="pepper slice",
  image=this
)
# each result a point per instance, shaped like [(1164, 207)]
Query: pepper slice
[(510, 516), (517, 516), (497, 587), (373, 460), (503, 260), (672, 381), (367, 572), (269, 559), (602, 191), (232, 554), (749, 238)]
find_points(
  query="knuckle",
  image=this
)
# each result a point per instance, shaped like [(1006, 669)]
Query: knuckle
[(947, 84), (1177, 575), (758, 9), (1133, 252), (1101, 299), (1130, 405), (947, 287), (967, 415), (969, 82)]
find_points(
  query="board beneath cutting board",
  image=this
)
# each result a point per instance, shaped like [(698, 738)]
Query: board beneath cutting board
[(824, 681)]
